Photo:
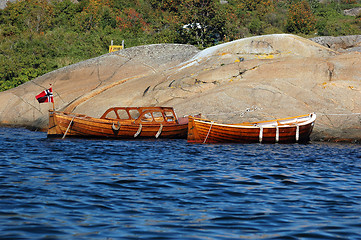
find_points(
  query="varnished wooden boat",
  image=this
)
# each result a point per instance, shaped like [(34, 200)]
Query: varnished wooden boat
[(285, 130), (120, 122)]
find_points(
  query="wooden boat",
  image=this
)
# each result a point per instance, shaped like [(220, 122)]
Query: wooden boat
[(120, 122), (285, 130)]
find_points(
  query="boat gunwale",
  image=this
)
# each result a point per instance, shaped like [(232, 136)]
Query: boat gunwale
[(311, 116)]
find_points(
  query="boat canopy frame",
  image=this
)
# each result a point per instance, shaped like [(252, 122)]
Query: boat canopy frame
[(142, 114)]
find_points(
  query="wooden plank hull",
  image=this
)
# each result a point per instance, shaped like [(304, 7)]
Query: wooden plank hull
[(288, 130), (75, 125)]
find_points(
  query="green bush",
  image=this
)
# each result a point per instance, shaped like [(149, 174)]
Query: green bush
[(39, 36), (337, 28), (256, 26), (300, 18)]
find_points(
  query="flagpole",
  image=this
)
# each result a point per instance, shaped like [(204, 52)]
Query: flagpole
[(51, 85)]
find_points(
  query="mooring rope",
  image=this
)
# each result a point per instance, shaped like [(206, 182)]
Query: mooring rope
[(68, 127), (208, 133)]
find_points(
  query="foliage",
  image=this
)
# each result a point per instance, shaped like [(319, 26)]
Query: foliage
[(300, 18), (29, 15), (38, 36), (201, 22), (131, 21), (261, 6), (339, 27), (349, 1), (95, 14)]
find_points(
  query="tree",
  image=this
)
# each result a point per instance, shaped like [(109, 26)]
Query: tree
[(96, 13), (64, 13), (300, 18), (203, 23), (166, 5), (131, 21), (32, 15), (260, 6)]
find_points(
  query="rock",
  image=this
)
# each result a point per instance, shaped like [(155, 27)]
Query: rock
[(250, 79), (352, 12), (341, 44), (3, 3)]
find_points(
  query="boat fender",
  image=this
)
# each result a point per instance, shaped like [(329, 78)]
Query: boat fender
[(139, 130), (260, 134), (159, 131), (116, 128), (297, 133), (277, 134)]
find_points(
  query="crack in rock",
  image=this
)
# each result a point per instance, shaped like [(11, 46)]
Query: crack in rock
[(146, 90), (241, 72), (331, 69)]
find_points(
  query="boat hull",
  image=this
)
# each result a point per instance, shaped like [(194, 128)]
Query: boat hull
[(74, 125), (296, 129)]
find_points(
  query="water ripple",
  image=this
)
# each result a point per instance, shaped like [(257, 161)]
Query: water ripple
[(158, 189)]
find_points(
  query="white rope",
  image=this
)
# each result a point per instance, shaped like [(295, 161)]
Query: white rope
[(159, 131), (297, 133), (68, 128), (260, 134), (139, 130), (208, 133), (116, 128)]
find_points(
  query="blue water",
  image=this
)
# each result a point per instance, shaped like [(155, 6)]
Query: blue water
[(158, 189)]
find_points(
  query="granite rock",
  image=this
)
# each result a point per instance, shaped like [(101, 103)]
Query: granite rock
[(257, 78)]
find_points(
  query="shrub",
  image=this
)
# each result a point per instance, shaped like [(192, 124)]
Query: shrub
[(337, 28), (256, 26), (300, 18)]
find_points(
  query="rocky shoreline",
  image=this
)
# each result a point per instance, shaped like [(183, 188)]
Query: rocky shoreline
[(251, 79)]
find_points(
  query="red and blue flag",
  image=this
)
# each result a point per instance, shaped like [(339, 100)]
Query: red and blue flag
[(45, 96)]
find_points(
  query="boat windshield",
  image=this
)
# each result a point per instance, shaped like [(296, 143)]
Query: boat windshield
[(122, 114), (155, 114), (169, 116), (158, 116), (134, 113)]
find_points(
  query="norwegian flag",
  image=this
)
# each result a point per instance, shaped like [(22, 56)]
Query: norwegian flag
[(45, 96)]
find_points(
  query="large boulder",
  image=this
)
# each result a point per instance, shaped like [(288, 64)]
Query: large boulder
[(350, 43), (250, 79)]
